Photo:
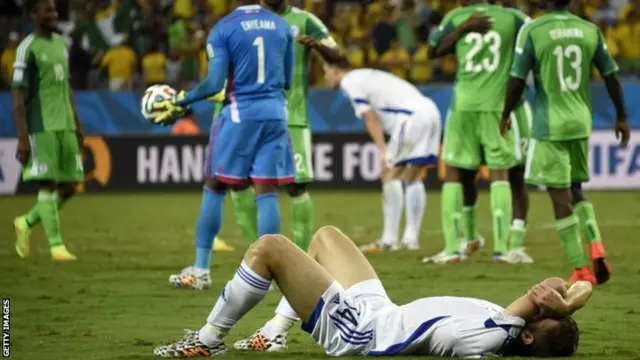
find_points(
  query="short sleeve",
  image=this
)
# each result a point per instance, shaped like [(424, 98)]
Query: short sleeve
[(356, 94), (602, 58), (315, 28), (524, 54), (23, 64), (446, 27)]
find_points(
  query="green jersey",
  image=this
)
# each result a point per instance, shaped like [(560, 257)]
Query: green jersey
[(560, 47), (302, 23), (484, 60), (41, 68)]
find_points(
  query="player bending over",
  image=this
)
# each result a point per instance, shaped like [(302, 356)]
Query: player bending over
[(49, 130), (388, 104), (254, 47), (311, 35), (482, 37), (345, 308), (560, 48)]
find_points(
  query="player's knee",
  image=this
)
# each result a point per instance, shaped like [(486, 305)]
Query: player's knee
[(295, 190), (576, 193), (47, 185), (265, 188), (268, 246), (215, 185), (325, 234), (66, 190)]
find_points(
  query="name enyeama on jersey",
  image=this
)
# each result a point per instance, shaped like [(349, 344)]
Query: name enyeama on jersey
[(259, 45)]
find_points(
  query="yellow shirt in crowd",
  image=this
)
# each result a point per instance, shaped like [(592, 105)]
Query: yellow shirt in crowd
[(421, 68), (154, 68), (396, 61), (120, 62), (7, 63)]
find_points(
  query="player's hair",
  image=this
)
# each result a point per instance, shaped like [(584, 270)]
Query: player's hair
[(560, 3), (559, 341), (30, 5), (342, 64)]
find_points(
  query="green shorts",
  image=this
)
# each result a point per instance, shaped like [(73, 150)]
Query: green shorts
[(557, 164), (55, 156), (521, 119), (302, 153), (473, 136)]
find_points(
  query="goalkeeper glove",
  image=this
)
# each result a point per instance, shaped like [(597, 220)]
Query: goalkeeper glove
[(171, 112)]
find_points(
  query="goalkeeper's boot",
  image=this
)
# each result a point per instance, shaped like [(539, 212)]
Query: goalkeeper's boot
[(23, 236), (60, 253), (191, 278), (601, 267), (260, 342), (220, 245), (583, 274), (190, 346)]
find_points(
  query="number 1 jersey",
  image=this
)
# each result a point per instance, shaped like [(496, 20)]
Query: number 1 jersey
[(484, 60), (259, 47)]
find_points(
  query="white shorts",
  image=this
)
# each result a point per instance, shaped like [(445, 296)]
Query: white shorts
[(344, 321), (416, 140)]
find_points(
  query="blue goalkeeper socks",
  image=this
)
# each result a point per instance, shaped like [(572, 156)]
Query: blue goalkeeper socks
[(209, 223), (268, 213)]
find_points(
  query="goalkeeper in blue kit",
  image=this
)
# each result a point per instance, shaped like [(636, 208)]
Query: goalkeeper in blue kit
[(251, 50)]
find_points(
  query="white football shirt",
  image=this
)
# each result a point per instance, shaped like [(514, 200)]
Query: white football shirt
[(392, 98), (445, 326)]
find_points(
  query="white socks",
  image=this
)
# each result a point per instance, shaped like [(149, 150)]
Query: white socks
[(391, 210), (240, 295), (415, 203), (284, 320)]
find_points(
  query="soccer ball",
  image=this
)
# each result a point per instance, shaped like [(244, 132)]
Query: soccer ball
[(153, 94)]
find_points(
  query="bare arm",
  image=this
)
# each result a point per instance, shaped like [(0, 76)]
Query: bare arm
[(329, 51), (476, 23), (375, 129), (617, 96), (19, 112), (558, 301), (515, 89)]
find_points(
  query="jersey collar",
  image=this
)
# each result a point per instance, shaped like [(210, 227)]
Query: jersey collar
[(287, 10), (249, 7)]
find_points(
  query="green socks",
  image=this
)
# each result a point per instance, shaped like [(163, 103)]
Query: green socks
[(33, 216), (568, 229), (588, 223), (516, 236), (501, 212), (47, 209), (469, 227), (451, 207), (246, 212), (302, 220)]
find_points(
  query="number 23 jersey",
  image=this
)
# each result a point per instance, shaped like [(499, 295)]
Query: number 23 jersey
[(484, 60)]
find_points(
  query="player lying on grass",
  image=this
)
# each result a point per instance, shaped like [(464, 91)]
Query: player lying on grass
[(49, 131), (345, 308), (391, 105), (560, 48)]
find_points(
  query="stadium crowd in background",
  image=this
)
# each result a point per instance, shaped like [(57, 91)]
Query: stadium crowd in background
[(130, 44)]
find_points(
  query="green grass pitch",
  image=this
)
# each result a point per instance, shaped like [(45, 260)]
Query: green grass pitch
[(115, 302)]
